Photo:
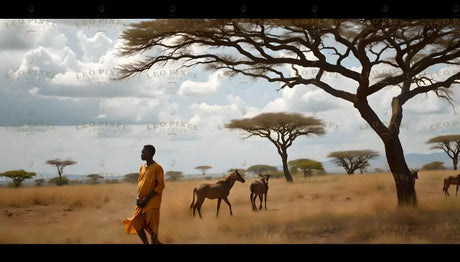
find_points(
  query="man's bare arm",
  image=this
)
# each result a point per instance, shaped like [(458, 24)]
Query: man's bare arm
[(145, 200)]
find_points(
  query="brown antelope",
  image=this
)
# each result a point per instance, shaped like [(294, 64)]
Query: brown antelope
[(451, 180), (219, 190), (414, 173), (259, 188)]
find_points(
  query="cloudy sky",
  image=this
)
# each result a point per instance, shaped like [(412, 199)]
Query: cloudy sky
[(57, 100)]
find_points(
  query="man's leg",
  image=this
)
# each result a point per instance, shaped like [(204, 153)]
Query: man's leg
[(155, 239), (154, 225), (142, 236)]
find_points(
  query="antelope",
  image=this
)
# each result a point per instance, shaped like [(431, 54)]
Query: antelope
[(219, 190), (451, 180), (259, 188), (414, 172)]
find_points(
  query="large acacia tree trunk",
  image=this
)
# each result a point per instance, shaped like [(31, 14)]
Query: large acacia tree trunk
[(284, 159), (404, 180)]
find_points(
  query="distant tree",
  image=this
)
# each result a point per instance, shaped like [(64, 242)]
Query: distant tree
[(281, 129), (174, 175), (242, 172), (449, 144), (111, 181), (18, 176), (238, 169), (74, 181), (435, 165), (277, 174), (306, 166), (131, 178), (40, 181), (203, 169), (353, 160), (59, 181), (94, 178), (60, 164), (260, 169)]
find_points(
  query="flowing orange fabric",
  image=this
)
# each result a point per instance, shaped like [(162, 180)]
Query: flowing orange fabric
[(148, 217)]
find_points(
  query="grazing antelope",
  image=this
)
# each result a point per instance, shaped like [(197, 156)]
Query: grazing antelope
[(259, 188), (414, 172), (219, 190), (451, 180)]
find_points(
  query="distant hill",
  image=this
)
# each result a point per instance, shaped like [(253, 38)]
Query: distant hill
[(418, 160)]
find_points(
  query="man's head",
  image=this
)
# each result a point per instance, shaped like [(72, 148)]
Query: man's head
[(147, 152)]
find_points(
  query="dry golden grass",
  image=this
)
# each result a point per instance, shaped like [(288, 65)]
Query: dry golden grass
[(322, 209)]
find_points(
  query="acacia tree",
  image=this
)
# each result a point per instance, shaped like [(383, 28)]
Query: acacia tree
[(260, 169), (40, 181), (60, 164), (203, 169), (132, 178), (374, 54), (174, 175), (18, 176), (94, 178), (306, 166), (449, 144), (353, 160), (435, 165), (281, 129)]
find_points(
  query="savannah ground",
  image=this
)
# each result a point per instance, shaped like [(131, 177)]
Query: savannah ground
[(328, 209)]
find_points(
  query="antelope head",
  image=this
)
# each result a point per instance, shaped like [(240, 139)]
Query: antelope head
[(238, 176), (266, 177)]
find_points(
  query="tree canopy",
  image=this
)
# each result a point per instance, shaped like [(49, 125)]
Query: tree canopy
[(305, 165), (260, 169), (94, 178), (131, 177), (61, 163), (174, 175)]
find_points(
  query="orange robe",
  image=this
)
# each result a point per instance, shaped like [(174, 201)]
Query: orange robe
[(148, 217)]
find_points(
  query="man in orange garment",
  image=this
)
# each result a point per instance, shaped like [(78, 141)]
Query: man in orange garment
[(149, 190)]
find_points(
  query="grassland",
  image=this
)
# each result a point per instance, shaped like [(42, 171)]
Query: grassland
[(332, 209)]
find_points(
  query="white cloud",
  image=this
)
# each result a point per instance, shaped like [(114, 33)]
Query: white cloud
[(45, 61), (23, 34), (34, 90), (277, 105), (426, 104), (129, 108), (235, 108), (304, 99), (94, 47), (192, 88)]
